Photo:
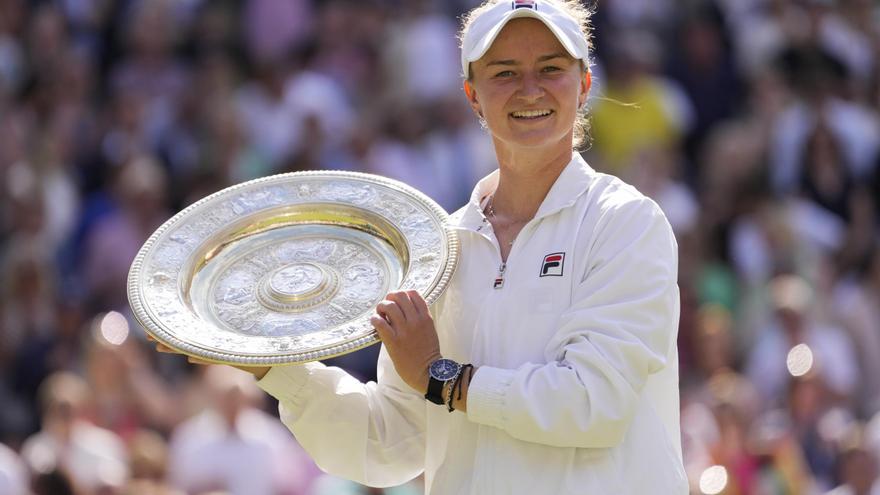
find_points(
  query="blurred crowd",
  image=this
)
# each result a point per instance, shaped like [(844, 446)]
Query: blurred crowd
[(755, 124)]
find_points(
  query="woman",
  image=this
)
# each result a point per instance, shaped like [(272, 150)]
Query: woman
[(564, 303)]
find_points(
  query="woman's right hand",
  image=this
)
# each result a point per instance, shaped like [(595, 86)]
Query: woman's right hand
[(258, 371)]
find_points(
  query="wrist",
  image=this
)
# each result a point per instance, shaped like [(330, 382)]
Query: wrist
[(441, 372), (424, 379), (457, 398)]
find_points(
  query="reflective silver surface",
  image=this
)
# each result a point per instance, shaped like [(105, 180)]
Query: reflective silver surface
[(288, 268)]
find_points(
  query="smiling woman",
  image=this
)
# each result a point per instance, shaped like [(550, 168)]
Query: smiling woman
[(564, 308), (528, 89), (577, 45)]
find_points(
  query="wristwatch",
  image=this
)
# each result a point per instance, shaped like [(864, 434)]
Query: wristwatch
[(440, 372)]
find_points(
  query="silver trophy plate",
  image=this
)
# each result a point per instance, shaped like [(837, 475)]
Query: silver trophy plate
[(288, 268)]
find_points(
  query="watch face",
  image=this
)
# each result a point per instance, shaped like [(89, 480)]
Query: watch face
[(444, 369)]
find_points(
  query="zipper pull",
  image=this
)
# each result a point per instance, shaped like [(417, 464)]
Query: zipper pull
[(499, 280)]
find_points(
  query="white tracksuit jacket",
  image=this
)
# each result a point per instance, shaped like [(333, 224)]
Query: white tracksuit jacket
[(577, 388)]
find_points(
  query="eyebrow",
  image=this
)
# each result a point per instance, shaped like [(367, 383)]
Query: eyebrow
[(542, 58)]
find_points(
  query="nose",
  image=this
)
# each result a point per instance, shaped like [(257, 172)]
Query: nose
[(530, 90)]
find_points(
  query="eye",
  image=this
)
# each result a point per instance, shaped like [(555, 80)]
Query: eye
[(504, 73), (551, 68)]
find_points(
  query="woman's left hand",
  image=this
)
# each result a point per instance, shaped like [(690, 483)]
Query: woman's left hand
[(405, 326)]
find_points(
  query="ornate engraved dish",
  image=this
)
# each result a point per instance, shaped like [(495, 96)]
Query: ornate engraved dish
[(288, 268)]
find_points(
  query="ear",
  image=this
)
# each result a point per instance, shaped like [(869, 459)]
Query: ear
[(472, 98), (586, 84)]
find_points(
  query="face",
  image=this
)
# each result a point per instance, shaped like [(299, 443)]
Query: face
[(527, 87)]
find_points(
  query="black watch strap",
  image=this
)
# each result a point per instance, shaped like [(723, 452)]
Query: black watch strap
[(435, 391), (441, 372)]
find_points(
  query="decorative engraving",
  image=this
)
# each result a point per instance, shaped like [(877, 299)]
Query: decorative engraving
[(294, 286), (295, 280), (292, 293), (306, 191), (357, 194), (297, 287)]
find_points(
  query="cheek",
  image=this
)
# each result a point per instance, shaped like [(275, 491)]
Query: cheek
[(570, 93), (493, 104), (569, 103)]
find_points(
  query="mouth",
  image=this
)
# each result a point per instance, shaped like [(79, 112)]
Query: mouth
[(531, 115)]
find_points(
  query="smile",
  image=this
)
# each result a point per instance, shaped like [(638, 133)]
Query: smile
[(531, 114)]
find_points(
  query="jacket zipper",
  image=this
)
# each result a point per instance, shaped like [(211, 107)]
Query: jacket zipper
[(499, 280)]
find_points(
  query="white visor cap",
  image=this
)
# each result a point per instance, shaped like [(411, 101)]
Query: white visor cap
[(485, 28)]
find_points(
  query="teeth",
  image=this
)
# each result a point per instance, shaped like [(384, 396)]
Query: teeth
[(531, 113)]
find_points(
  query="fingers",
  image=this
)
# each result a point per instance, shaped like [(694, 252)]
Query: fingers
[(164, 348), (419, 302), (383, 328), (406, 305), (407, 330), (411, 303), (392, 312), (402, 311), (167, 350), (160, 347)]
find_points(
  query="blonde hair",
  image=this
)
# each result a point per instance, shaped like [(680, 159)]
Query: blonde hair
[(578, 12)]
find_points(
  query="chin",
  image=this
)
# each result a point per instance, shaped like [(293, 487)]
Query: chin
[(537, 139), (515, 134)]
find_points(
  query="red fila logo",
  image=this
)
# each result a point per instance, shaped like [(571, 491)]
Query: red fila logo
[(553, 265), (523, 4)]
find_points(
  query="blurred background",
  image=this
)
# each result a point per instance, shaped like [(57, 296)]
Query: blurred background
[(753, 123)]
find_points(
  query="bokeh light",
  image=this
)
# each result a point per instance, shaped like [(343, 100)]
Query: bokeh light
[(713, 480), (114, 328), (799, 360)]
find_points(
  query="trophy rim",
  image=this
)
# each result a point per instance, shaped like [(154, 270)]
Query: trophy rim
[(157, 329)]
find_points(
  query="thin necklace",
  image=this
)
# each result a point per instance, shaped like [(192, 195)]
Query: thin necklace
[(490, 208), (490, 211)]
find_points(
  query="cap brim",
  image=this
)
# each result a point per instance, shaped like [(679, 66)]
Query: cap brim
[(485, 43)]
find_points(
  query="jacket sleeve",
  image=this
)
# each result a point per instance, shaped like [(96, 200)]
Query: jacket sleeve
[(619, 329), (370, 433)]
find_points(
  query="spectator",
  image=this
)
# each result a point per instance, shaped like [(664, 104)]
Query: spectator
[(704, 66), (13, 474), (857, 471), (825, 177), (640, 109), (755, 124), (140, 194), (232, 445), (796, 335), (94, 458), (148, 452), (127, 394), (857, 300)]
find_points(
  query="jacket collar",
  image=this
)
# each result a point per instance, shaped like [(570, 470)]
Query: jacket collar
[(569, 186)]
